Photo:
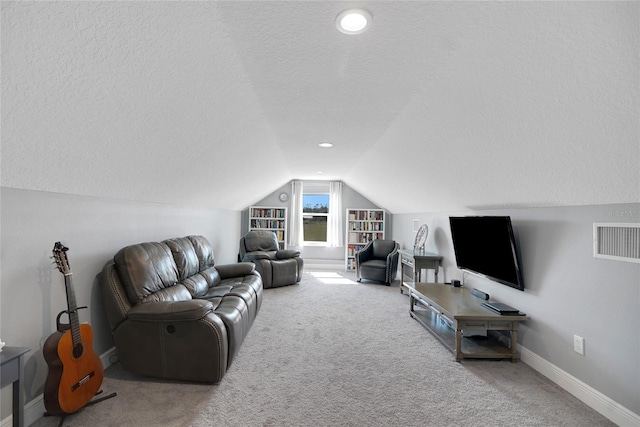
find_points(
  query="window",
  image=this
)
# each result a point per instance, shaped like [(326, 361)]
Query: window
[(315, 212)]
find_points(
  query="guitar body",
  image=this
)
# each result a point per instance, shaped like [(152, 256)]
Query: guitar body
[(75, 372)]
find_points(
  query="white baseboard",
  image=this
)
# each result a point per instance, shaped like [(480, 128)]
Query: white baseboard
[(106, 357), (34, 410), (587, 394)]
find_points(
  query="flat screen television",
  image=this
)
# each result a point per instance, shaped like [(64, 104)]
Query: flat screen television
[(484, 245)]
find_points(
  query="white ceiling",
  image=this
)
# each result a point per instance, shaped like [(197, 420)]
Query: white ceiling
[(439, 106)]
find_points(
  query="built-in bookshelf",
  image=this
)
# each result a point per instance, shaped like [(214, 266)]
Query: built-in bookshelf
[(272, 219), (363, 225)]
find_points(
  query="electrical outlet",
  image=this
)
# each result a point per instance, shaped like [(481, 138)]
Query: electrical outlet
[(578, 345), (416, 225)]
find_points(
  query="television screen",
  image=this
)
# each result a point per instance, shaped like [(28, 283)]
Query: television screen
[(485, 245)]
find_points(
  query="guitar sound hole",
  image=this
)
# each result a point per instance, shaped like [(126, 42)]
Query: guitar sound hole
[(78, 350), (171, 329)]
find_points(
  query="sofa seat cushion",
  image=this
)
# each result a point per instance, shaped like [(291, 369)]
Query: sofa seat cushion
[(248, 294), (251, 283), (217, 291), (244, 291), (374, 264), (374, 269)]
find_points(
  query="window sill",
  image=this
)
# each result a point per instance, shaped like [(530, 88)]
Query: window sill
[(316, 244)]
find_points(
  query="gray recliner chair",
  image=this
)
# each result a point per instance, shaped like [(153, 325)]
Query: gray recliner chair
[(378, 261), (278, 267)]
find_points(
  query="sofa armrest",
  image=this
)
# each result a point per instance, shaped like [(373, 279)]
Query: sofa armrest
[(365, 253), (393, 254), (235, 270), (170, 311), (258, 255), (287, 253)]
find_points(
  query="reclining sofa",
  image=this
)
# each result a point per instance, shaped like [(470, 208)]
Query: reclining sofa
[(173, 314)]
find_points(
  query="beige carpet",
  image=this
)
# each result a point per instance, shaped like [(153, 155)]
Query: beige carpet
[(334, 352)]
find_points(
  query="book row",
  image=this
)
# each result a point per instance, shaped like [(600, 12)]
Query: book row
[(268, 213)]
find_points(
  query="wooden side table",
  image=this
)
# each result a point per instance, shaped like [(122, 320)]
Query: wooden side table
[(418, 260), (12, 371)]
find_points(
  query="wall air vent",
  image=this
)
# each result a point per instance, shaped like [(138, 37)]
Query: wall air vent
[(617, 241)]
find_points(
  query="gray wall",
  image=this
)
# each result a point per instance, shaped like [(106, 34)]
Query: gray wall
[(94, 229), (567, 291), (350, 199)]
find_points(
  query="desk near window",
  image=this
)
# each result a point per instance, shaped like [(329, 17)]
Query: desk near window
[(446, 312)]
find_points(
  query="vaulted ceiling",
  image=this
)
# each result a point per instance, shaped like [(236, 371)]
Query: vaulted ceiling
[(438, 106)]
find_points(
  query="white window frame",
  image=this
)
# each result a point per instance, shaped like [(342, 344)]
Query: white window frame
[(311, 190)]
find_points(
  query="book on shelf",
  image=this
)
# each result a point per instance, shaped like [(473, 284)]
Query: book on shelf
[(267, 213)]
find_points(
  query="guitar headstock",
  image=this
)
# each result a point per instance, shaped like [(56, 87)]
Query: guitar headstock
[(60, 256)]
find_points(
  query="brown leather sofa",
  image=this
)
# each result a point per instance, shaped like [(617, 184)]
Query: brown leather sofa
[(173, 314), (278, 267)]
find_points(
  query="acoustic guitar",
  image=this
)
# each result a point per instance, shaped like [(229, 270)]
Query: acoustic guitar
[(75, 371)]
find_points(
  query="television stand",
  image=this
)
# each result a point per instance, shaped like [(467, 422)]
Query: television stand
[(446, 312)]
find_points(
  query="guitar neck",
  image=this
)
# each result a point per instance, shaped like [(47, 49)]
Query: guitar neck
[(72, 308)]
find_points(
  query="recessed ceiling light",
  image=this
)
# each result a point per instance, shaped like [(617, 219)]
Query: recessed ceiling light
[(353, 21), (325, 145), (319, 172)]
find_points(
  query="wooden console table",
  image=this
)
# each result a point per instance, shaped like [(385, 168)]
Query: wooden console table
[(12, 371), (417, 261), (446, 312)]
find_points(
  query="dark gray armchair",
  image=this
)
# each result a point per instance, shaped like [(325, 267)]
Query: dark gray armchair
[(278, 267), (378, 261)]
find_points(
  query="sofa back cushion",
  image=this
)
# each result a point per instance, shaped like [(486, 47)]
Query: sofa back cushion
[(203, 250), (194, 259), (184, 255), (259, 240), (148, 273)]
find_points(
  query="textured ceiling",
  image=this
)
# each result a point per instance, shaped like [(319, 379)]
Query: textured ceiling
[(439, 106)]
